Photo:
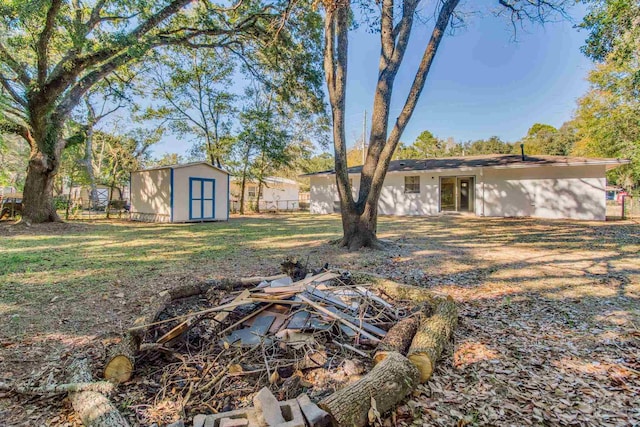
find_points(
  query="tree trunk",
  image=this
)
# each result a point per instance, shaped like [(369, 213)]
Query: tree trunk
[(433, 334), (258, 196), (359, 230), (387, 384), (38, 189), (88, 163)]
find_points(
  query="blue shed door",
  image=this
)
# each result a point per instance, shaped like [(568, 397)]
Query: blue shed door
[(202, 202)]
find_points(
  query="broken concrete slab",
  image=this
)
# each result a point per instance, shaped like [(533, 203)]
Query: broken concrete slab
[(314, 416), (198, 420), (248, 414), (268, 408), (234, 422)]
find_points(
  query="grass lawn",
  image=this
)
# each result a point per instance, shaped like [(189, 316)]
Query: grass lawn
[(549, 309)]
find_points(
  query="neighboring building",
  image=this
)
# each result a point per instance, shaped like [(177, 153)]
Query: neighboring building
[(180, 193), (280, 194), (615, 194), (493, 185), (7, 190), (81, 195)]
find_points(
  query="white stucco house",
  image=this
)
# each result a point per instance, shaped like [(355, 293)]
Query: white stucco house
[(191, 192), (491, 185), (277, 193)]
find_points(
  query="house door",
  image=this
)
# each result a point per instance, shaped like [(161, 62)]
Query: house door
[(202, 198), (464, 194), (457, 194)]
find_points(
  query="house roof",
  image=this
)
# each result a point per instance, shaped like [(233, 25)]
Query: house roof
[(271, 180), (486, 161), (184, 165)]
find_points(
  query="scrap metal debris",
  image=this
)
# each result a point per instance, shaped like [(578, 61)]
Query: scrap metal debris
[(313, 335)]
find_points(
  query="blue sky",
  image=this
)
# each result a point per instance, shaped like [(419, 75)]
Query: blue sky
[(482, 82)]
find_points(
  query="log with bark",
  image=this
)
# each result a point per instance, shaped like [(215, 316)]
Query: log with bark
[(93, 408), (387, 384), (398, 339), (433, 334)]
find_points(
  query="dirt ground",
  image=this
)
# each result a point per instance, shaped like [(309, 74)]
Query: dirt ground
[(549, 310)]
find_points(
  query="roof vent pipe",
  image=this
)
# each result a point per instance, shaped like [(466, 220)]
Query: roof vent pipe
[(522, 151)]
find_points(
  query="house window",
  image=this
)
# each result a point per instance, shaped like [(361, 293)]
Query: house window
[(411, 184), (253, 190)]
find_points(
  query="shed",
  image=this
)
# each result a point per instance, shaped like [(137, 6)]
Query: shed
[(191, 192)]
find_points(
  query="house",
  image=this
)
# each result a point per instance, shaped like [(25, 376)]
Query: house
[(278, 194), (490, 185), (180, 193)]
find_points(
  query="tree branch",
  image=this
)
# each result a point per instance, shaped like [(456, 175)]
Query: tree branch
[(414, 94), (6, 83), (42, 49), (15, 66)]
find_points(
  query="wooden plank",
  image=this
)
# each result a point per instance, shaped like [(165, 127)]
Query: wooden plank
[(327, 297), (221, 317), (219, 308), (338, 317), (366, 326), (374, 297), (257, 279)]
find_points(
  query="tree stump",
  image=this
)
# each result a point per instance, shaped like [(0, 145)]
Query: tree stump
[(387, 383), (398, 339), (93, 408), (432, 335)]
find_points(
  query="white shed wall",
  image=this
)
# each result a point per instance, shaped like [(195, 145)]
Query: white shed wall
[(181, 191), (151, 195)]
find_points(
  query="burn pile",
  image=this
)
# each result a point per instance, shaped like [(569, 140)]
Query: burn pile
[(335, 348)]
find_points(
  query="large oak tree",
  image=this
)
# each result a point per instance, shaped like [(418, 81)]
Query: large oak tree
[(53, 51), (395, 21)]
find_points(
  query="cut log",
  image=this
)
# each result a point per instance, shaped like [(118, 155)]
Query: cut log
[(387, 383), (398, 339), (121, 360), (93, 408), (432, 335)]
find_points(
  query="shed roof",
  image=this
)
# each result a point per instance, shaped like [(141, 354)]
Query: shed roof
[(485, 161), (184, 165)]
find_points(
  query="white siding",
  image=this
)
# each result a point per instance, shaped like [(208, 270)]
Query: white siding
[(151, 195), (576, 192), (181, 191)]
